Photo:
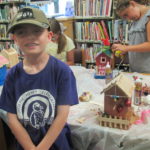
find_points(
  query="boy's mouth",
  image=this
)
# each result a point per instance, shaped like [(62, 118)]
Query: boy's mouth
[(31, 44)]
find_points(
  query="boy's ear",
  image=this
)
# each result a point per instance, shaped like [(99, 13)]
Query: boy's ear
[(50, 34), (13, 37)]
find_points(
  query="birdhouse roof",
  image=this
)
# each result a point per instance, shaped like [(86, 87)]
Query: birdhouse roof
[(106, 50), (123, 82), (3, 61)]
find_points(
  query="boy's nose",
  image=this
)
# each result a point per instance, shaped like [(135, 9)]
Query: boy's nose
[(30, 34)]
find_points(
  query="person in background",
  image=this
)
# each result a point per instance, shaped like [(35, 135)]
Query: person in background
[(39, 90), (139, 34), (61, 46)]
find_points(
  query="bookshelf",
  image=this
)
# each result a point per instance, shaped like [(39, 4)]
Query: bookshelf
[(8, 9), (97, 25), (93, 26)]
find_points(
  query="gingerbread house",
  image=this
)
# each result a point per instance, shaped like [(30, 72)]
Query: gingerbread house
[(118, 95)]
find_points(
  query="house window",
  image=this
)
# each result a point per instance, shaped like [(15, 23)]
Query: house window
[(103, 60)]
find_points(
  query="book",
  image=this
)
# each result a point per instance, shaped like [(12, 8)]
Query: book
[(97, 31), (109, 24), (101, 31), (101, 7), (104, 8), (108, 8), (104, 29), (115, 29)]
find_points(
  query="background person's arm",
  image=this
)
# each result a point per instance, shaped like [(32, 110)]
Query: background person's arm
[(70, 57), (142, 47), (69, 49)]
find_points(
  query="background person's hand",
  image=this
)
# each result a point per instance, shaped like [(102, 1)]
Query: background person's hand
[(119, 47)]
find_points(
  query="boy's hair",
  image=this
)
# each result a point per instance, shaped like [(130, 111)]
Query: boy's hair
[(56, 29), (29, 15), (123, 4)]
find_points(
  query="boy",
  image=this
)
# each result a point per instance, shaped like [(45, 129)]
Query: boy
[(39, 90)]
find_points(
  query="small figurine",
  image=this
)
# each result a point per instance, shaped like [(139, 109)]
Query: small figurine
[(145, 90), (85, 97), (108, 73), (138, 91)]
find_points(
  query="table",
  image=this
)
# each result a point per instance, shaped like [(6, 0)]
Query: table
[(87, 134)]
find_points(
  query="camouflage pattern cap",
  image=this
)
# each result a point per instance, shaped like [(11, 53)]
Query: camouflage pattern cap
[(29, 15)]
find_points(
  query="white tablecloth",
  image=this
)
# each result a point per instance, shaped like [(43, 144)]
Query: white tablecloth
[(87, 134)]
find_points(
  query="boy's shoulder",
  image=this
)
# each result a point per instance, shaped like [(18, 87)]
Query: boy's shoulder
[(16, 68), (58, 64), (59, 69)]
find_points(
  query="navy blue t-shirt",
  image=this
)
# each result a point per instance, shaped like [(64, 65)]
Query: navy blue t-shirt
[(34, 97)]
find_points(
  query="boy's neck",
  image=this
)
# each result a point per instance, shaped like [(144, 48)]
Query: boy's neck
[(33, 65)]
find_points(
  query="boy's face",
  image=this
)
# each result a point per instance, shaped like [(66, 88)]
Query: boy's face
[(31, 39), (130, 13)]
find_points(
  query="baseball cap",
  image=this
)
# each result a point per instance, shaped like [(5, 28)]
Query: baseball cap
[(29, 15)]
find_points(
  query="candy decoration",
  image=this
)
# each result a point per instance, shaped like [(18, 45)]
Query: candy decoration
[(119, 108), (128, 103)]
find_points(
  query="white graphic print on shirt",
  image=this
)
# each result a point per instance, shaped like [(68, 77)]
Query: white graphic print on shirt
[(36, 108)]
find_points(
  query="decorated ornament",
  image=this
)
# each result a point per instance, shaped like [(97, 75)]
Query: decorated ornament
[(128, 103), (135, 77), (119, 108)]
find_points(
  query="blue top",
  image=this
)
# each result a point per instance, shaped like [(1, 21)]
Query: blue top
[(139, 61), (34, 97)]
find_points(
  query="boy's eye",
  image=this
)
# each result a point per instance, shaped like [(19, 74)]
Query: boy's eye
[(38, 30), (20, 32), (24, 32)]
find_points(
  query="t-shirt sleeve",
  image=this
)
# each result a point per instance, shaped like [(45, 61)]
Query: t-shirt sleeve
[(69, 45), (67, 91), (7, 100)]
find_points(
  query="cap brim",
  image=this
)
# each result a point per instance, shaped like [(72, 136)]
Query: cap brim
[(33, 22)]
